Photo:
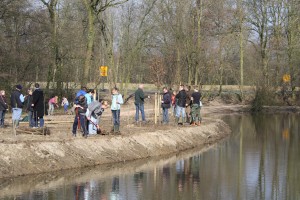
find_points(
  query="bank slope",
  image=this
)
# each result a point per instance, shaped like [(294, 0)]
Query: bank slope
[(22, 158)]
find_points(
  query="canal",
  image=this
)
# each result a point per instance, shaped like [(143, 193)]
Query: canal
[(260, 160)]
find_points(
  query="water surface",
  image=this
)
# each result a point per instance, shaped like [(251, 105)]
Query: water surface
[(260, 160)]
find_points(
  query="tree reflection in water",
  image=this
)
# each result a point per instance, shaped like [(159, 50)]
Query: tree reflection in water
[(260, 160)]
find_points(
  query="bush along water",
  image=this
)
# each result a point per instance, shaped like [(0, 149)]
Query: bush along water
[(263, 96)]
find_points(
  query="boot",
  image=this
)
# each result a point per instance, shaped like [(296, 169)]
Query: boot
[(183, 120), (116, 129), (198, 124), (176, 120), (193, 124), (17, 123), (188, 120)]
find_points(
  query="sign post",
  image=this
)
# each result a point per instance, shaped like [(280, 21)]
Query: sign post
[(103, 73)]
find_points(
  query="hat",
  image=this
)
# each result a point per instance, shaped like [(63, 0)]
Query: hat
[(19, 87)]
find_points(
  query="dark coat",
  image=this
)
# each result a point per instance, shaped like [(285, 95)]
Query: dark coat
[(197, 97), (181, 98), (15, 100), (38, 102), (139, 96), (166, 100), (3, 104), (82, 102)]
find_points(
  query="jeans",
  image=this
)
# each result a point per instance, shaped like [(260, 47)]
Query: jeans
[(116, 116), (139, 107), (2, 116), (37, 118), (16, 113), (92, 129), (51, 109), (31, 119), (66, 108), (180, 111), (82, 121), (166, 115)]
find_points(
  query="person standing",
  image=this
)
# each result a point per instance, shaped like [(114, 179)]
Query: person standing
[(166, 104), (65, 104), (38, 105), (89, 96), (17, 101), (29, 108), (116, 102), (188, 104), (173, 99), (196, 98), (139, 98), (181, 103), (3, 108), (80, 118)]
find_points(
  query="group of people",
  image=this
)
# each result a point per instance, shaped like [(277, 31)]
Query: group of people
[(88, 111), (185, 104), (34, 106)]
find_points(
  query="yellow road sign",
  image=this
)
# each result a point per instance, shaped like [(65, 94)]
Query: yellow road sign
[(286, 78), (103, 70)]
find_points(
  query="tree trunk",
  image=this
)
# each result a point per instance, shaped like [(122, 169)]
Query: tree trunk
[(241, 41), (199, 17), (90, 43)]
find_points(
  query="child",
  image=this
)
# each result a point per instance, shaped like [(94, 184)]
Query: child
[(52, 102), (65, 104)]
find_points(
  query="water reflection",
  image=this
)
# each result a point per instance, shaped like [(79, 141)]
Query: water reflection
[(260, 160)]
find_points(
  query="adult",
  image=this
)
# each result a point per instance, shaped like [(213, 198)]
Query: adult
[(82, 92), (80, 109), (139, 99), (188, 103), (196, 118), (166, 104), (93, 114), (29, 108), (3, 108), (180, 104), (52, 104), (17, 101), (38, 105), (116, 102)]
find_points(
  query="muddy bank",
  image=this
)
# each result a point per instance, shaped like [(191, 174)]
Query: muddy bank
[(32, 157)]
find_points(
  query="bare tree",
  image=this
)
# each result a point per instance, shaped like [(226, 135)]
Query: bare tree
[(94, 8)]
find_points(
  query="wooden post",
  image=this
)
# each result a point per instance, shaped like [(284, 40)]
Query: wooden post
[(155, 109), (158, 106)]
